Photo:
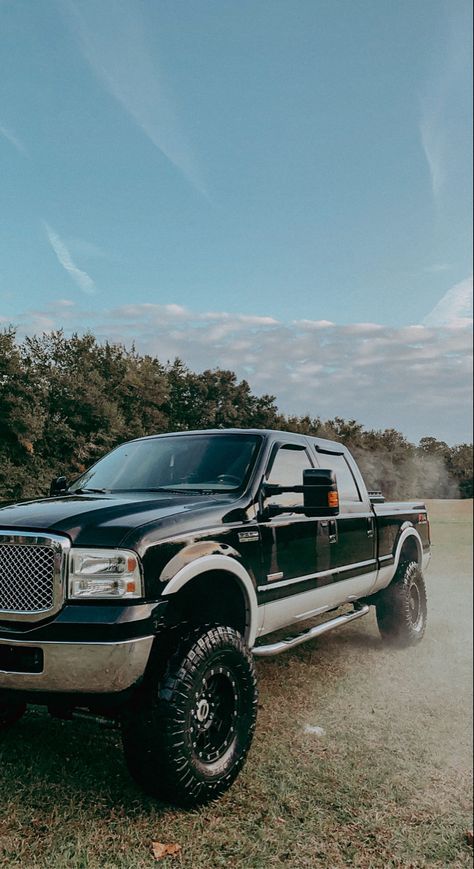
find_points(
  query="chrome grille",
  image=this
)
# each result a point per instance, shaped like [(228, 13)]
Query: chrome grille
[(26, 578), (33, 574)]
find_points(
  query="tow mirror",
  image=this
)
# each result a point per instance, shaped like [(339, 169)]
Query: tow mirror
[(320, 495), (58, 486)]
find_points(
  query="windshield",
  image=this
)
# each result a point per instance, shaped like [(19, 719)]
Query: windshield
[(216, 463)]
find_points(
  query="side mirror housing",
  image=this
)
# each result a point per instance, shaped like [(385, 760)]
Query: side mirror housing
[(58, 486), (320, 494)]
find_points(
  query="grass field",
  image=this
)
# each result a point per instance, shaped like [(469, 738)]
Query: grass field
[(388, 783)]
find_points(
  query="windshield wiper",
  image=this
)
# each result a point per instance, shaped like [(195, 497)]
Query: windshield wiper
[(176, 491), (89, 492), (155, 489)]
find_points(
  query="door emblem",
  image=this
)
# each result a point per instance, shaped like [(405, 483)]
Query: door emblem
[(248, 536)]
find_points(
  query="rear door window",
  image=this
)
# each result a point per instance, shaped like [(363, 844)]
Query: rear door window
[(346, 484)]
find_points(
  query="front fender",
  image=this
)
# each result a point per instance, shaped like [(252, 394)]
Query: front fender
[(194, 552), (226, 564)]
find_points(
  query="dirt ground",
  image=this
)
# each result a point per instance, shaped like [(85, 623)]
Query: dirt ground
[(383, 781)]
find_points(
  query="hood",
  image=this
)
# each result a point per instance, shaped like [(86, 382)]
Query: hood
[(101, 520)]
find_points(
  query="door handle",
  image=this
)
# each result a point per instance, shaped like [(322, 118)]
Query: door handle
[(332, 531), (370, 527)]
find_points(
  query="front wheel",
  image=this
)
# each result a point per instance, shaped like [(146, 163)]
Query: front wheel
[(402, 607), (189, 740)]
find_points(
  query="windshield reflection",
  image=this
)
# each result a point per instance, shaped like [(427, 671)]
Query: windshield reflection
[(178, 463)]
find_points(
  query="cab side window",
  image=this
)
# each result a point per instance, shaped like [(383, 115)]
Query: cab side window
[(346, 484), (287, 470)]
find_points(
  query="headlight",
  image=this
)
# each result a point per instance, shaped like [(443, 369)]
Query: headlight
[(104, 573)]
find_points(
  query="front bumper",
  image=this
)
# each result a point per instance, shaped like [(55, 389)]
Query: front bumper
[(89, 668)]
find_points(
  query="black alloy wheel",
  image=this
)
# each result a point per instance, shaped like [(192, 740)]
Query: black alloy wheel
[(188, 740), (214, 717), (402, 607)]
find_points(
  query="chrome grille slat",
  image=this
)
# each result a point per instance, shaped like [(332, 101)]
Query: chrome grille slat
[(26, 578), (33, 574)]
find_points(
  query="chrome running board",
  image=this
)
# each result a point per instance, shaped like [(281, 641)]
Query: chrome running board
[(310, 634)]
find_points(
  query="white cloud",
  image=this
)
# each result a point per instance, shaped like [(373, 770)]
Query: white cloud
[(11, 137), (80, 277), (415, 378), (315, 324), (455, 308), (113, 39)]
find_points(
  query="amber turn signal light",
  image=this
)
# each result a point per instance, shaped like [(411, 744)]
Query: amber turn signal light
[(333, 499)]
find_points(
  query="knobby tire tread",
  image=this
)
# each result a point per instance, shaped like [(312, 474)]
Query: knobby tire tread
[(156, 741)]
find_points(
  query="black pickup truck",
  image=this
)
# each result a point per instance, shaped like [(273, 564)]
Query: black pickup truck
[(141, 592)]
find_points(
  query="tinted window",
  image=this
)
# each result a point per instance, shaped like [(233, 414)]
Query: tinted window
[(287, 470), (218, 463), (346, 484)]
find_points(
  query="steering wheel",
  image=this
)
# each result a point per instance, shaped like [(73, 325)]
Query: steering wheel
[(229, 479)]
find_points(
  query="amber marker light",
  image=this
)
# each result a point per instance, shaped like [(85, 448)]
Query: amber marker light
[(333, 499)]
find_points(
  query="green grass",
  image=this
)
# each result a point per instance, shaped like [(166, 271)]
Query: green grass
[(388, 785)]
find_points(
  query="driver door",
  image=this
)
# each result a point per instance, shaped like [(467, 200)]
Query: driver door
[(294, 547)]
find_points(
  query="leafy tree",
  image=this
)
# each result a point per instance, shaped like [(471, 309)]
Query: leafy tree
[(434, 447), (459, 463), (22, 417), (65, 401), (214, 399)]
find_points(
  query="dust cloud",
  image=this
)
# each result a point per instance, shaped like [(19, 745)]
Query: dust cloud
[(417, 476)]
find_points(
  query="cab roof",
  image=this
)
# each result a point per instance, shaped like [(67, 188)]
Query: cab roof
[(268, 433)]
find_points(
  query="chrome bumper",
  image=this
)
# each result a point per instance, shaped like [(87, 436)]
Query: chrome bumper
[(85, 668)]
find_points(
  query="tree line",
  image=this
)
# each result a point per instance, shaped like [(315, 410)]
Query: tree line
[(66, 401)]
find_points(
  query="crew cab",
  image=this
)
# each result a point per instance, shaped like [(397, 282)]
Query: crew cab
[(142, 591)]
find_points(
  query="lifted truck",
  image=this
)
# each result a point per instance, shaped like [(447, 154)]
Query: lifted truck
[(141, 592)]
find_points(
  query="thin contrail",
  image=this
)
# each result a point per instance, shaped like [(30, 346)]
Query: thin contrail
[(80, 277)]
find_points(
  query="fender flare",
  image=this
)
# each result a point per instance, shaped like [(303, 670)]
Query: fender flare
[(227, 565), (409, 531)]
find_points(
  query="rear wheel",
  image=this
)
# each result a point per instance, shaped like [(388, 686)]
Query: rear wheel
[(402, 607), (189, 740), (10, 713)]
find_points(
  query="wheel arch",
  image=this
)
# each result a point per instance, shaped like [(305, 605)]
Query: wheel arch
[(193, 575), (409, 543)]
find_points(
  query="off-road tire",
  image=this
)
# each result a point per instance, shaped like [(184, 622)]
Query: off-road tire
[(10, 713), (189, 738), (402, 607)]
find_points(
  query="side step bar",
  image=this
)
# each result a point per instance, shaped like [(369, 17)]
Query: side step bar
[(310, 634)]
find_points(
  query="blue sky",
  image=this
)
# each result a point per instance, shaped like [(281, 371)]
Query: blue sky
[(265, 162)]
